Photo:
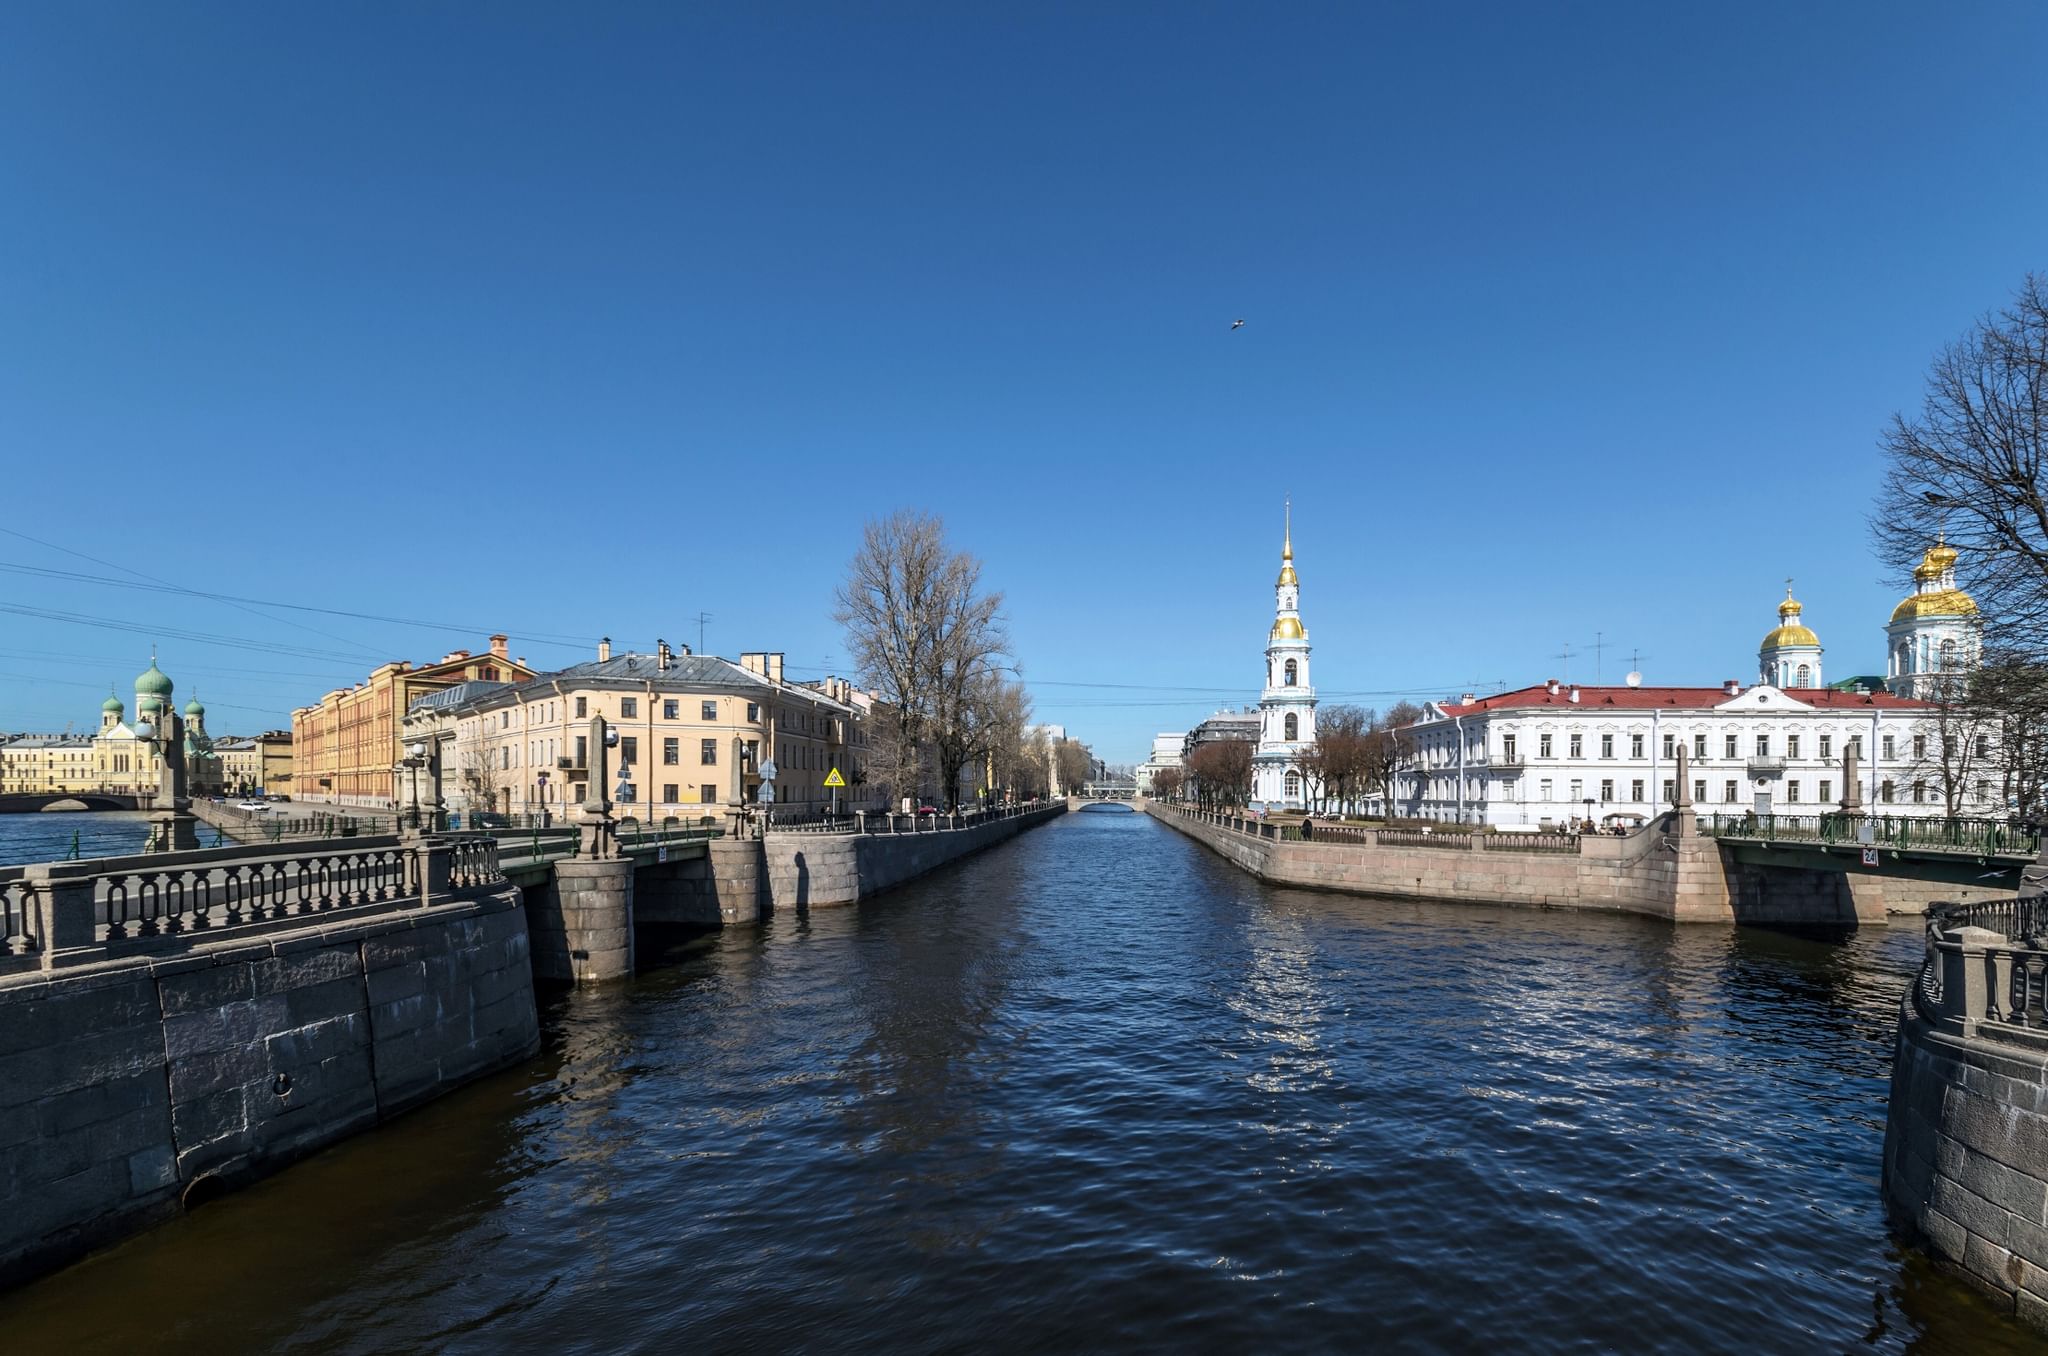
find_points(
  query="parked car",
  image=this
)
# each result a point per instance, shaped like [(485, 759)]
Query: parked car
[(253, 807)]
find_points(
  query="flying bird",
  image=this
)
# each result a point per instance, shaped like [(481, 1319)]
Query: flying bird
[(1237, 324)]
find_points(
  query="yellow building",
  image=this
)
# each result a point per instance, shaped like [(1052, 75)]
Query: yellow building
[(694, 734), (261, 764), (345, 748), (113, 759)]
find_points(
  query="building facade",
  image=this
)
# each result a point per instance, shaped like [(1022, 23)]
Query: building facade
[(1166, 753), (345, 749), (1287, 702), (114, 759), (697, 734), (1560, 752)]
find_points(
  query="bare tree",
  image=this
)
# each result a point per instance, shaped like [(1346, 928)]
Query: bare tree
[(1167, 782), (2016, 693), (479, 776), (1222, 771), (1389, 750), (1970, 464), (1074, 763), (927, 639), (1952, 749)]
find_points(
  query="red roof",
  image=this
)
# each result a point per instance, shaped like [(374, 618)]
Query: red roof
[(1642, 698)]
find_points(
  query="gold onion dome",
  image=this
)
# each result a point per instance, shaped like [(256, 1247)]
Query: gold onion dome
[(1289, 628), (1936, 567), (1790, 631)]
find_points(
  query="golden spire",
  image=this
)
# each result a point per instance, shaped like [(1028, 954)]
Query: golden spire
[(1287, 550)]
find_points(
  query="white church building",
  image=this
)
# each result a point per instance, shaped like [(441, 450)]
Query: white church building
[(1557, 752), (1287, 703)]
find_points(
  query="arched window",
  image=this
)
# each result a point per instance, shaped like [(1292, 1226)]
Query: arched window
[(1948, 656), (1289, 679), (1293, 781), (1804, 677), (1293, 727), (1904, 659)]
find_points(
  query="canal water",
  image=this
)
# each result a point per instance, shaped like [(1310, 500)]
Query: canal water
[(51, 837), (1096, 1090)]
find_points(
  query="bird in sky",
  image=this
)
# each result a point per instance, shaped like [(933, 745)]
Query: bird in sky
[(1237, 324)]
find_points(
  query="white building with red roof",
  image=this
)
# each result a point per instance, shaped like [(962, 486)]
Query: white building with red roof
[(1559, 751)]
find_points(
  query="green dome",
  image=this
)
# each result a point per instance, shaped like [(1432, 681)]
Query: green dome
[(193, 708), (153, 682), (149, 706), (112, 705)]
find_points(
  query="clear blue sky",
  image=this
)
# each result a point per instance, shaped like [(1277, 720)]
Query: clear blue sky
[(1561, 320)]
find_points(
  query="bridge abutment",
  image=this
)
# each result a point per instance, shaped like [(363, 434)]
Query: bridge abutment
[(581, 921)]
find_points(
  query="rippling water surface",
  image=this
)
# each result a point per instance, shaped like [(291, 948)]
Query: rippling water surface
[(50, 837), (1095, 1089)]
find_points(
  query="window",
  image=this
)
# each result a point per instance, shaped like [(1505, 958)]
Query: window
[(1291, 728), (1886, 745), (504, 720), (753, 713), (1763, 746), (1543, 746), (629, 707), (578, 790), (629, 750), (1827, 792), (709, 711), (707, 794), (1792, 792), (1543, 789), (1884, 792), (1577, 746), (668, 793), (671, 709), (1578, 789), (1293, 778), (1699, 748), (582, 707), (1919, 746), (1827, 749), (1919, 793), (1670, 791), (707, 752), (1635, 791), (1728, 746), (505, 757), (1635, 746), (582, 747), (1699, 791), (1983, 746), (1856, 744), (1948, 655), (1670, 745), (1803, 676), (1728, 792), (1606, 790), (1606, 746), (1983, 789), (1289, 674), (1507, 748), (1791, 746), (625, 793), (671, 753)]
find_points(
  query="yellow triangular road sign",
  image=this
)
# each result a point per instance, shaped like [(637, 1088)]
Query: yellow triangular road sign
[(835, 779)]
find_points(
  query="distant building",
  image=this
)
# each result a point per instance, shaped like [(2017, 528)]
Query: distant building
[(113, 759), (256, 764), (1166, 753), (1244, 725), (1560, 751), (346, 747), (1287, 703)]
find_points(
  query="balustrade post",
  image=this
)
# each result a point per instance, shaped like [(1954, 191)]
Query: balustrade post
[(1966, 976), (435, 859), (65, 923)]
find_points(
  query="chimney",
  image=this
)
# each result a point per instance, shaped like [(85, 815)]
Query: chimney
[(1733, 687), (499, 646), (661, 655), (604, 649), (1574, 693), (775, 666), (1551, 685), (1465, 699)]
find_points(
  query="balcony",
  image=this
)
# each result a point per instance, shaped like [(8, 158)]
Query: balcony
[(1766, 767), (1506, 764)]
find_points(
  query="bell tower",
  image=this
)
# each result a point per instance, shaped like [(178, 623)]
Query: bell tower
[(1287, 702)]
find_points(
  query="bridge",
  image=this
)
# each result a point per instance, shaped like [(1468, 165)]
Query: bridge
[(91, 800), (1110, 788), (1985, 853)]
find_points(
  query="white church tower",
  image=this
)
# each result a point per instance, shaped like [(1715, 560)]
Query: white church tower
[(1287, 705)]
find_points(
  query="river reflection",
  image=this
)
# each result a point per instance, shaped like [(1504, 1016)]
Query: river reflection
[(1096, 1089)]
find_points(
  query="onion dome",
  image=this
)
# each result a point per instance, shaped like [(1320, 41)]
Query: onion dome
[(1934, 588), (1289, 628), (194, 709), (112, 705), (1790, 631), (153, 682)]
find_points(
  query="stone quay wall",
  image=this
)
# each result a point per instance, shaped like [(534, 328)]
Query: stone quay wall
[(1966, 1140), (740, 880), (131, 1084)]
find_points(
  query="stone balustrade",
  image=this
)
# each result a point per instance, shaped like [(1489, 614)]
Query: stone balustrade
[(62, 914)]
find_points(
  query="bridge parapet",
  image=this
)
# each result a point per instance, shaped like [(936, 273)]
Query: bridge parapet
[(63, 914), (1915, 833)]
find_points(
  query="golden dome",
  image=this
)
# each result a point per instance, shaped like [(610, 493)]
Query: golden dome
[(1287, 577), (1938, 603), (1790, 635), (1289, 628)]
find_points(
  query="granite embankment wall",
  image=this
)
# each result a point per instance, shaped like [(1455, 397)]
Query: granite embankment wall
[(1632, 874), (1966, 1140), (1652, 872), (125, 1085), (741, 880)]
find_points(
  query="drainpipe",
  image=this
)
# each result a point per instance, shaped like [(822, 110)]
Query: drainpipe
[(1458, 722), (1872, 750), (1656, 752)]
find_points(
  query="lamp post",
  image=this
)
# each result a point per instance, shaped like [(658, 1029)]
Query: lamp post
[(415, 759), (172, 827)]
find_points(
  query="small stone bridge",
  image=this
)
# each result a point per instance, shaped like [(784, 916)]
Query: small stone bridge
[(91, 800), (1986, 854)]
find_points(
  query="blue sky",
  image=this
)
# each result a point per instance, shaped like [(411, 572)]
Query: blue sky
[(1562, 321)]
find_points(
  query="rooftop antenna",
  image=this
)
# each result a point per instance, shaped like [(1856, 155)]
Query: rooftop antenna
[(702, 617), (1599, 653), (1566, 656), (1635, 673)]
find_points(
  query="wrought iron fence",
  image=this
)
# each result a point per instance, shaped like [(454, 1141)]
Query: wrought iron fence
[(1919, 833)]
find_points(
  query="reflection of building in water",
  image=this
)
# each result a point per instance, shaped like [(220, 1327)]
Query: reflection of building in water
[(1285, 1007)]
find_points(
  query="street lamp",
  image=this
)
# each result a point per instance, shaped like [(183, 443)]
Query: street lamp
[(415, 759)]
